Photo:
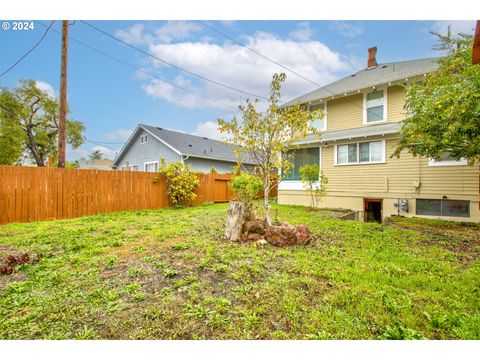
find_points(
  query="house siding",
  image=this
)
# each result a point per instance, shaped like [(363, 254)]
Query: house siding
[(206, 165), (406, 177), (347, 112), (153, 150)]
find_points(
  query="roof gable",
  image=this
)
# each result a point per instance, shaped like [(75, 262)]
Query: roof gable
[(185, 144), (365, 78)]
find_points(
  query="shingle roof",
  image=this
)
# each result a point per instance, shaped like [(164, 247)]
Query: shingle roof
[(372, 130), (195, 146), (383, 73)]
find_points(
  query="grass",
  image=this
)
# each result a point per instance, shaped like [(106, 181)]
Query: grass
[(168, 274)]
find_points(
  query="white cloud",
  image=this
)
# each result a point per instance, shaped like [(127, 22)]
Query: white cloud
[(118, 135), (133, 35), (209, 129), (456, 26), (172, 30), (44, 86), (347, 29), (238, 67), (303, 32)]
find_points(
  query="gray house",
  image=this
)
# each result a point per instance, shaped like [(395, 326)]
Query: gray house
[(148, 144)]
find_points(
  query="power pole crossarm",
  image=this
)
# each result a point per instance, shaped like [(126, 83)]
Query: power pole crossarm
[(62, 129)]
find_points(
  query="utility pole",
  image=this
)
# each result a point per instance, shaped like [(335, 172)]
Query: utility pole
[(62, 130)]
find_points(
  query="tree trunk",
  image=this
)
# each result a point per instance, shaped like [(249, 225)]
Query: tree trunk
[(235, 219), (266, 206)]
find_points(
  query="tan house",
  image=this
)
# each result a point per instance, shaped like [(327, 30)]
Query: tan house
[(359, 134)]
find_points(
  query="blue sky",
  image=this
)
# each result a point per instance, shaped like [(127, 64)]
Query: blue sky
[(111, 98)]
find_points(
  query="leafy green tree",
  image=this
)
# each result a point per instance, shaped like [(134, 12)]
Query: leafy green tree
[(181, 182), (11, 134), (264, 136), (443, 111), (314, 181), (29, 123), (96, 155)]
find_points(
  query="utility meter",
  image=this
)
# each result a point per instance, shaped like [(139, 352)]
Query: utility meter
[(404, 205)]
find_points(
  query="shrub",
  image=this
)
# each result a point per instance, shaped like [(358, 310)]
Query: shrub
[(181, 182), (246, 188), (314, 181)]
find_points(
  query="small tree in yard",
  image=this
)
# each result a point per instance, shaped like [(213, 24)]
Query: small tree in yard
[(314, 181), (443, 111), (246, 188), (266, 135), (181, 182)]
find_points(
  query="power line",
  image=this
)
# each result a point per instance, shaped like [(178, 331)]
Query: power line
[(103, 143), (29, 51), (143, 71), (173, 65), (271, 60)]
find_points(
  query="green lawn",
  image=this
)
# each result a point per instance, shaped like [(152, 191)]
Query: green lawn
[(168, 274)]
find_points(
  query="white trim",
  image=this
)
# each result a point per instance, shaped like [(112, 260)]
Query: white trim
[(385, 101), (433, 162), (149, 163), (131, 166), (383, 161)]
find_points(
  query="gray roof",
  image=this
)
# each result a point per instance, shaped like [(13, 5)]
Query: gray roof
[(195, 146), (382, 74), (365, 131)]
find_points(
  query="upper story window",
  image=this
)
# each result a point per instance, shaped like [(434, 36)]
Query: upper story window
[(374, 107), (320, 124), (447, 160), (300, 157), (144, 139), (360, 153)]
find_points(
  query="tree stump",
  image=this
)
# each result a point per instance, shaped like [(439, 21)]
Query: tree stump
[(235, 219)]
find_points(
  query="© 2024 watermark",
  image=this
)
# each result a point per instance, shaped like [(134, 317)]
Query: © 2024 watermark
[(18, 25)]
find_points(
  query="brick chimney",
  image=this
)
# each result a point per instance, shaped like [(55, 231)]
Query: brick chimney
[(372, 58)]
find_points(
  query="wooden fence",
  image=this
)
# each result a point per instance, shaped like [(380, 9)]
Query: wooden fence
[(35, 194)]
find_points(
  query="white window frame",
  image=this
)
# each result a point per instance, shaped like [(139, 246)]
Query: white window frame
[(383, 161), (325, 118), (149, 163), (439, 163), (131, 167), (385, 101)]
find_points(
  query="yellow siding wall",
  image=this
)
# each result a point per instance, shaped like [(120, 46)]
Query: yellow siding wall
[(399, 177), (347, 112), (395, 103), (405, 178)]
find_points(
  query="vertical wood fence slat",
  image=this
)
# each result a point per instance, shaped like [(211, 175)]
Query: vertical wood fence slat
[(34, 194)]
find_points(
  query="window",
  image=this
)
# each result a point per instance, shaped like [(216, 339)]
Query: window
[(300, 157), (374, 104), (151, 166), (134, 167), (443, 207), (366, 152), (144, 139), (447, 160), (322, 123)]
